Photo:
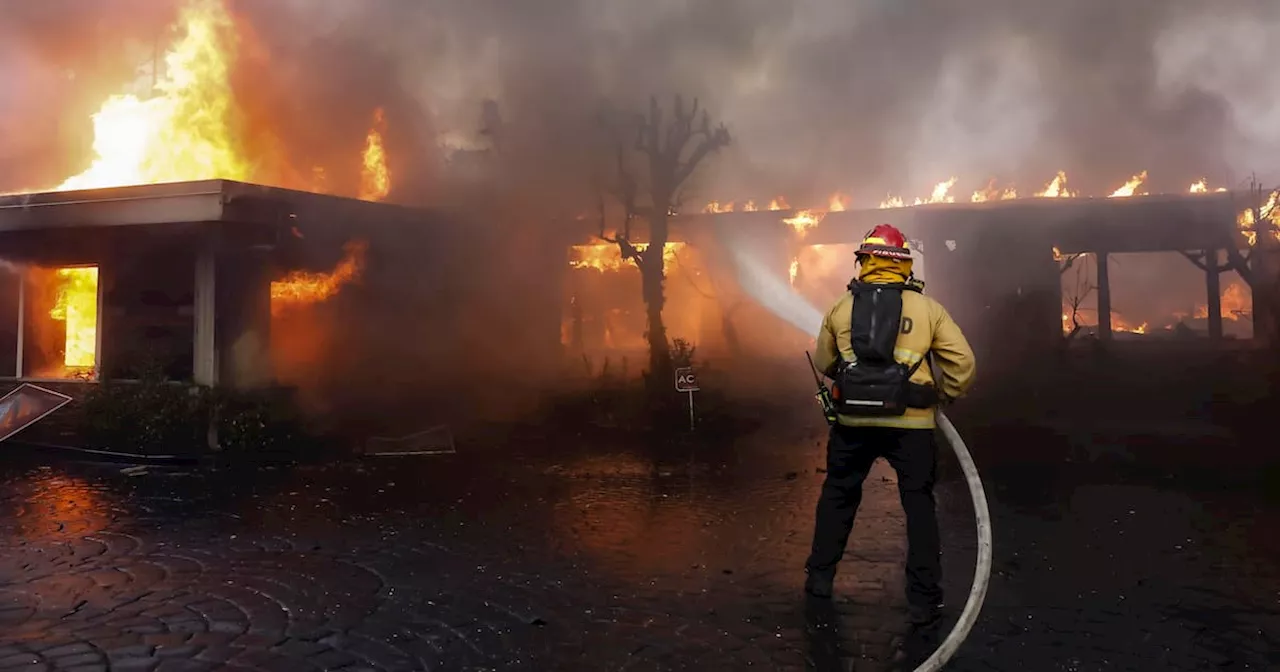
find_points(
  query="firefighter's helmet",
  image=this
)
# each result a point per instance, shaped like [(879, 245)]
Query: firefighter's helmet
[(885, 241)]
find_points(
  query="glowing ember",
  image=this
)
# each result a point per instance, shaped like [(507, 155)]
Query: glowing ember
[(1057, 188), (837, 203), (183, 132), (607, 257), (375, 179), (1131, 187), (77, 307), (301, 288), (804, 220)]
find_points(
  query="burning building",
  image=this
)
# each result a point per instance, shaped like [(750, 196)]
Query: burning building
[(1002, 264)]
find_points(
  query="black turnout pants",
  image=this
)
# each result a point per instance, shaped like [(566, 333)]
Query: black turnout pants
[(913, 454)]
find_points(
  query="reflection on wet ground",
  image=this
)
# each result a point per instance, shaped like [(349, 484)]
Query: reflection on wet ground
[(601, 555)]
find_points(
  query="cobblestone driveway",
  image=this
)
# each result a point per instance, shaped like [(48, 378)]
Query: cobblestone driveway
[(608, 560)]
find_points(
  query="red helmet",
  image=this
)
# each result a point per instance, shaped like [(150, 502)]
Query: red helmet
[(885, 241)]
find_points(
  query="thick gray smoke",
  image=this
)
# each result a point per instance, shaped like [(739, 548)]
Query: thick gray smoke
[(862, 96)]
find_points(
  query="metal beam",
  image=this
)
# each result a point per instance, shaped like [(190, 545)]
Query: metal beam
[(1213, 287), (1104, 298)]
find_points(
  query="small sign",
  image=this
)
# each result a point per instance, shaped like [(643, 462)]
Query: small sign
[(686, 380), (27, 405)]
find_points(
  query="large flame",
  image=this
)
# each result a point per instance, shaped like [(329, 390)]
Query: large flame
[(1269, 211), (375, 179), (1057, 188), (77, 307), (183, 132), (608, 257), (301, 288), (1131, 187)]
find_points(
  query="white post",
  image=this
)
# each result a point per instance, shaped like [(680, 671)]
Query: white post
[(97, 330), (205, 365), (22, 318), (691, 410)]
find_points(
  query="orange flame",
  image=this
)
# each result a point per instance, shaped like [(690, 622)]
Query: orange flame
[(77, 307), (714, 207), (1131, 187), (837, 203), (779, 203), (604, 257), (804, 220), (1057, 188), (375, 179), (183, 132), (1269, 212), (301, 288), (750, 207)]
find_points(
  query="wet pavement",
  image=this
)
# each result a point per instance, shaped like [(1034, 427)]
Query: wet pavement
[(591, 556)]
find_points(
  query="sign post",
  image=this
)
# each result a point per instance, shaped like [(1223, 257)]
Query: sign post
[(687, 381)]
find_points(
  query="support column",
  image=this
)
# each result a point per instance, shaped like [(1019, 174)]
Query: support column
[(205, 364), (22, 318), (1213, 286), (244, 324), (1104, 298)]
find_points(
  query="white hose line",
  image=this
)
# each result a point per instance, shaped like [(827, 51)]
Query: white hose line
[(982, 572)]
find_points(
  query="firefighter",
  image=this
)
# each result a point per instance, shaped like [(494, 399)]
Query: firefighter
[(894, 355)]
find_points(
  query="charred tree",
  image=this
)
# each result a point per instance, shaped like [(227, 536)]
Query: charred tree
[(667, 152)]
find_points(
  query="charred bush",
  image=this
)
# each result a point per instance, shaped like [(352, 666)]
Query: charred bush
[(154, 415)]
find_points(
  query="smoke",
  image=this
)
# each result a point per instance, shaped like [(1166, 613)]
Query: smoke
[(864, 96)]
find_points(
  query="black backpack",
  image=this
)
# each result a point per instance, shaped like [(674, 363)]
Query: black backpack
[(876, 384)]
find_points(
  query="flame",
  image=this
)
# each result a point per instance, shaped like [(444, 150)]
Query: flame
[(375, 179), (714, 207), (1131, 187), (779, 203), (993, 193), (608, 257), (77, 306), (794, 270), (183, 132), (750, 207), (1268, 211), (804, 220), (1057, 254), (1199, 187), (1236, 303), (941, 193), (837, 203), (1057, 188), (301, 288), (892, 202)]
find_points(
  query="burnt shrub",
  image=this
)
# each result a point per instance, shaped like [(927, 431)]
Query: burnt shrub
[(149, 416), (154, 415)]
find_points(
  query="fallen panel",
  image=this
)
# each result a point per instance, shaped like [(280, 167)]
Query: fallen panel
[(27, 405), (434, 441)]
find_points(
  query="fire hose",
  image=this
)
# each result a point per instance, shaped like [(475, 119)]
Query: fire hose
[(982, 570)]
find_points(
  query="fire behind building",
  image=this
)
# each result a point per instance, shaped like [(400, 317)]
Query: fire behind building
[(1020, 274)]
